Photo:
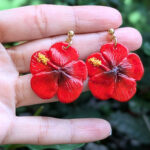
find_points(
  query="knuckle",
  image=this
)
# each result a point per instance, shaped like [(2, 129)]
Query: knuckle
[(72, 135), (19, 59), (13, 56), (75, 20), (43, 130), (19, 87), (40, 19), (22, 61)]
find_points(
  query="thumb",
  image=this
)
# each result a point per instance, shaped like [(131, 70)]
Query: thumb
[(6, 64)]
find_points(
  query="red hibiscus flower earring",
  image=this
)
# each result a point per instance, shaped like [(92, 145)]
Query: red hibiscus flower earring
[(113, 71), (58, 71)]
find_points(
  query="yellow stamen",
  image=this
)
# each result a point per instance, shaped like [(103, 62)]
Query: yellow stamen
[(42, 58), (94, 61)]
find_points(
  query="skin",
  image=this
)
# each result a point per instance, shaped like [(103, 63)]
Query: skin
[(40, 27)]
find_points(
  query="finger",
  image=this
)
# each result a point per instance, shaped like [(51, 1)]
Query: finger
[(6, 81), (46, 131), (85, 44), (25, 95), (33, 22)]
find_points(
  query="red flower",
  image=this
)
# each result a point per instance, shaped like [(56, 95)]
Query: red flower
[(113, 72), (58, 71)]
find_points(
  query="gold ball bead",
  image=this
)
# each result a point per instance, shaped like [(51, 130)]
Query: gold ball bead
[(111, 31), (71, 33)]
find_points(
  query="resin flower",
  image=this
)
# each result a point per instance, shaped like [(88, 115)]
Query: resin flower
[(113, 73), (58, 71)]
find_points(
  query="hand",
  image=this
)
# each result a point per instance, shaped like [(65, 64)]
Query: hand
[(45, 25)]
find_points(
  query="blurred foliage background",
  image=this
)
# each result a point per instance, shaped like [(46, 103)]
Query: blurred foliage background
[(131, 120)]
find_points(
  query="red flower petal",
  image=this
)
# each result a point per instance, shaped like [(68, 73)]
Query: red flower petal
[(102, 86), (125, 89), (69, 90), (37, 65), (77, 69), (133, 66), (94, 69), (45, 84), (61, 56), (114, 55)]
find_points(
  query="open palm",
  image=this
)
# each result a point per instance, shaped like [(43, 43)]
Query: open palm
[(45, 25)]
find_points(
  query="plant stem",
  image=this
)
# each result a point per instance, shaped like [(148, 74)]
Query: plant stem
[(146, 120)]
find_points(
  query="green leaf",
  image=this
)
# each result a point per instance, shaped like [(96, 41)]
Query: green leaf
[(39, 111), (42, 147), (17, 3), (146, 48), (37, 2), (139, 105), (86, 112), (13, 146), (135, 127), (135, 17), (128, 2), (7, 4), (57, 147)]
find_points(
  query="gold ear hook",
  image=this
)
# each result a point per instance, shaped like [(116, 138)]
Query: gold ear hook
[(69, 38), (111, 31)]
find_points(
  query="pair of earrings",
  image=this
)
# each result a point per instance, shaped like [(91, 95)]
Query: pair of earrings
[(112, 72)]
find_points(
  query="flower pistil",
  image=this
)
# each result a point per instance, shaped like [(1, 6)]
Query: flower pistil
[(42, 58), (96, 62)]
